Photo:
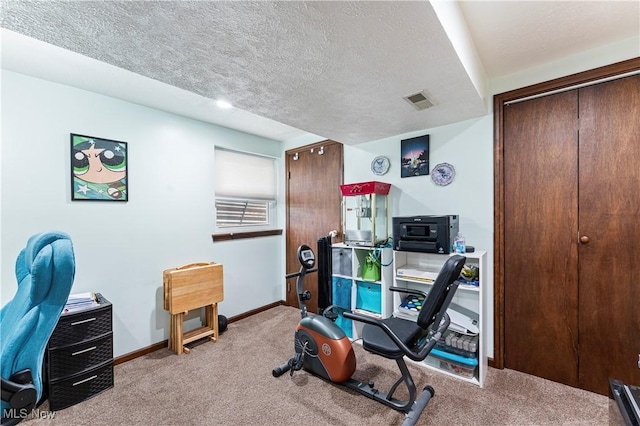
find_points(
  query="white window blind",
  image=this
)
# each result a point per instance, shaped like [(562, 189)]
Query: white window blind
[(248, 176), (245, 189)]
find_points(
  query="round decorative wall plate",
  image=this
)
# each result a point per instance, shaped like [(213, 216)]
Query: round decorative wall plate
[(380, 165), (443, 174)]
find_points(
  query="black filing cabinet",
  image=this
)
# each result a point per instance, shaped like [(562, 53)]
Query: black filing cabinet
[(79, 356)]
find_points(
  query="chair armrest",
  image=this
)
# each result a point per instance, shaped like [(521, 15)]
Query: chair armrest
[(423, 349), (19, 392)]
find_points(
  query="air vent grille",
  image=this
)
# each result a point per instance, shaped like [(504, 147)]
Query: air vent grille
[(419, 101)]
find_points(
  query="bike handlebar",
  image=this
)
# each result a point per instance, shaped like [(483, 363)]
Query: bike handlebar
[(297, 274)]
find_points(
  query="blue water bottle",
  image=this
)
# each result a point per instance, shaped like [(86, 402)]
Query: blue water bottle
[(460, 246)]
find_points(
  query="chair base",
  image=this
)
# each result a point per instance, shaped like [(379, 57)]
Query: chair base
[(20, 394)]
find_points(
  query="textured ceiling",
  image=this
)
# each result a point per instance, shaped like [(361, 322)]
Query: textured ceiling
[(335, 69)]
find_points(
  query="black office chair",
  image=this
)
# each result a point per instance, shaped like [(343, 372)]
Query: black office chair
[(395, 338)]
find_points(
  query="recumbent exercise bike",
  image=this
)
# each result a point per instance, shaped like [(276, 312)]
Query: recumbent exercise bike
[(323, 349)]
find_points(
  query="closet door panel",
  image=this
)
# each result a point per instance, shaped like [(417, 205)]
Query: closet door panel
[(609, 216), (313, 207), (541, 277)]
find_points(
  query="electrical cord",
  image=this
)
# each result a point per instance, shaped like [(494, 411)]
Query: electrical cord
[(377, 256)]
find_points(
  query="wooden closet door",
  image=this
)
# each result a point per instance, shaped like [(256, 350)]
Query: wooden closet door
[(609, 216), (540, 237), (314, 175)]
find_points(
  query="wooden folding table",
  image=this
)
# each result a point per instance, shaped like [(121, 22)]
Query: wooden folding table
[(188, 287)]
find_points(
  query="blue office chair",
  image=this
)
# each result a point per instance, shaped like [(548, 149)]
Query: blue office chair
[(45, 269)]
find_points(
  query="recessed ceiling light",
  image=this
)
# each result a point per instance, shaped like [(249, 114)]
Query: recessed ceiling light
[(224, 104)]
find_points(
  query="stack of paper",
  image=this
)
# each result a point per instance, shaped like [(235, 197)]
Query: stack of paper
[(80, 301), (417, 273)]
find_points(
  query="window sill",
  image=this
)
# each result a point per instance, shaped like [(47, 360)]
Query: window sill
[(243, 235)]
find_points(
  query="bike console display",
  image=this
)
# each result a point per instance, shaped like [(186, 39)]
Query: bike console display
[(306, 256)]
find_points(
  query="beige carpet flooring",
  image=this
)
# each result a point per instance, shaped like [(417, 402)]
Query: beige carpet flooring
[(230, 383)]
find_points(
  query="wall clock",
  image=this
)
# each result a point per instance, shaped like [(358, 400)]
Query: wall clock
[(380, 165), (443, 174)]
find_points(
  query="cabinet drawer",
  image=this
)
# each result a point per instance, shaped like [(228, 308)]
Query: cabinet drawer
[(80, 327), (73, 359), (369, 297), (341, 290), (341, 261), (70, 391)]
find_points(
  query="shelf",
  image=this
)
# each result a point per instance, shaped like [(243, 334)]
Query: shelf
[(367, 313), (464, 287), (360, 279), (473, 380), (346, 277), (469, 300), (467, 287), (363, 296)]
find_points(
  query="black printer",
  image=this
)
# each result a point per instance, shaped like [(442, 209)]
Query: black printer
[(426, 234)]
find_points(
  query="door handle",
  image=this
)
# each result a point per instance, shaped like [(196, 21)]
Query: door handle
[(584, 239)]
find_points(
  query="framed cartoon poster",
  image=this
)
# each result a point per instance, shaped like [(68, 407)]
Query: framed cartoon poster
[(98, 169), (414, 155)]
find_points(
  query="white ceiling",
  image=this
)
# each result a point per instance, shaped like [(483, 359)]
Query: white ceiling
[(338, 70)]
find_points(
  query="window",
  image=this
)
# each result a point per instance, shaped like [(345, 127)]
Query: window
[(233, 212), (245, 189)]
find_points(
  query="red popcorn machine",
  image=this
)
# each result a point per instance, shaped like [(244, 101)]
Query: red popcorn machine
[(365, 213)]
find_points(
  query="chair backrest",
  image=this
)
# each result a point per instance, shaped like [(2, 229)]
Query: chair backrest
[(45, 270), (437, 295)]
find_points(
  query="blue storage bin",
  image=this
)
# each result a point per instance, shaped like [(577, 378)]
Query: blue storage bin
[(455, 364), (341, 292), (369, 296), (345, 324)]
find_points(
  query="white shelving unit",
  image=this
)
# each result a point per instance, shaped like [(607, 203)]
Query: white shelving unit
[(470, 298), (351, 291)]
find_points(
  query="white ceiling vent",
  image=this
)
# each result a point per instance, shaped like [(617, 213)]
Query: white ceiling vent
[(419, 101)]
